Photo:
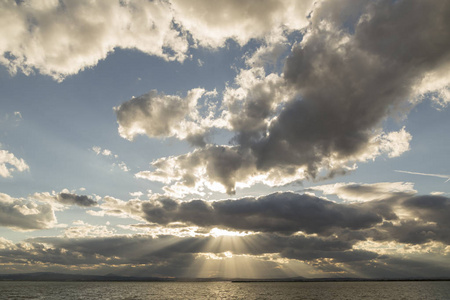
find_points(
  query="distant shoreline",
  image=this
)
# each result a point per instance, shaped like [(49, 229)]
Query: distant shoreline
[(341, 280), (58, 277)]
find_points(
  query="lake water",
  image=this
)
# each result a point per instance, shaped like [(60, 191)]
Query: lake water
[(224, 290)]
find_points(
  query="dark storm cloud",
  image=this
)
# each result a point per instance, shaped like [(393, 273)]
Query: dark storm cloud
[(72, 199)]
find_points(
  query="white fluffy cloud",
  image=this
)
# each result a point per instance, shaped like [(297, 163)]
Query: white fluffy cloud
[(158, 115), (10, 163), (60, 38), (213, 22)]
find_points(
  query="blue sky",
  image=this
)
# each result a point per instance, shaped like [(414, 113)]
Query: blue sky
[(324, 124)]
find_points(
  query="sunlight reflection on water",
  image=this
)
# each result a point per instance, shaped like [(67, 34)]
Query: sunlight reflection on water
[(224, 290)]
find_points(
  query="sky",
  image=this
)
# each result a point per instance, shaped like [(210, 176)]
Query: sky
[(238, 139)]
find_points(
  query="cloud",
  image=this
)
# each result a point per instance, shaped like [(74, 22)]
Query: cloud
[(225, 168), (70, 199), (10, 163), (280, 212), (347, 83), (168, 255), (108, 153), (98, 150), (354, 239), (324, 113), (175, 256), (82, 33), (252, 105), (388, 212), (159, 115), (426, 174), (361, 192), (65, 198), (22, 215), (211, 23), (83, 230)]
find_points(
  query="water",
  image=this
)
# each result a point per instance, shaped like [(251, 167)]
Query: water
[(224, 290)]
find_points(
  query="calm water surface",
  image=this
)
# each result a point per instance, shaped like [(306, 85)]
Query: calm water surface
[(224, 290)]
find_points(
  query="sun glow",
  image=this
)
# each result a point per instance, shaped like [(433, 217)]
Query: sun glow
[(217, 232)]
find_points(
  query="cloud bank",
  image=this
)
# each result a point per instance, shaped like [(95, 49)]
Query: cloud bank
[(389, 212)]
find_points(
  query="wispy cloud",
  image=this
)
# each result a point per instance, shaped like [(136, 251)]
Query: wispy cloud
[(426, 174)]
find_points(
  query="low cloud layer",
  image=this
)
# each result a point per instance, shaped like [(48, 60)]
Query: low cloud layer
[(385, 215), (276, 233), (167, 255)]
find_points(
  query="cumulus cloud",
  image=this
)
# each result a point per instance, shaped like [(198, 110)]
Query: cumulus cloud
[(81, 33), (10, 163), (211, 23), (225, 168), (158, 115), (347, 84), (21, 214), (325, 112), (252, 105)]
